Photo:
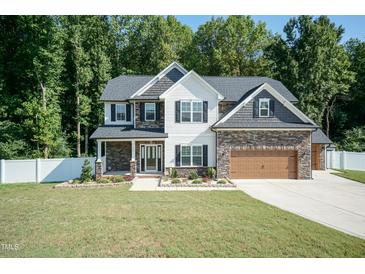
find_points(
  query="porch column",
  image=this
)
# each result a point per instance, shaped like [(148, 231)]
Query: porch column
[(98, 162), (133, 163)]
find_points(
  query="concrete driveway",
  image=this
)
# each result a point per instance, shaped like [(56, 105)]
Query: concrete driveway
[(327, 199)]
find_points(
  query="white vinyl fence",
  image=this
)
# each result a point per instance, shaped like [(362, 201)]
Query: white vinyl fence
[(346, 160), (42, 170)]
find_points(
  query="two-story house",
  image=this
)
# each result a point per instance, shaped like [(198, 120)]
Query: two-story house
[(245, 127)]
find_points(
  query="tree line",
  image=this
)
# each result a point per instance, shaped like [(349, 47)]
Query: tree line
[(53, 70)]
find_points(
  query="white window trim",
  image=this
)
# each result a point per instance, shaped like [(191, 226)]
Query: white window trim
[(191, 155), (262, 100), (191, 112), (125, 112), (154, 112)]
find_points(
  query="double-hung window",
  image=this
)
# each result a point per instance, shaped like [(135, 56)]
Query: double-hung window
[(185, 155), (264, 105), (120, 112), (150, 111), (192, 111), (191, 155)]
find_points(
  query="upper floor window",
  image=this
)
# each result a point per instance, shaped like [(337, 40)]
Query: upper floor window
[(264, 106), (121, 112), (192, 111), (150, 111)]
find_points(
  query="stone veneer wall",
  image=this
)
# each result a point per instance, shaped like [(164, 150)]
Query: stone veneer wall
[(150, 124), (224, 106), (118, 156), (138, 143), (264, 140), (322, 158)]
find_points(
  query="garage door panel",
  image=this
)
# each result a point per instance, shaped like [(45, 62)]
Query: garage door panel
[(263, 164)]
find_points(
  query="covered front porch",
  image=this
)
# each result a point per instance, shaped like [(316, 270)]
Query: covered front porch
[(129, 157)]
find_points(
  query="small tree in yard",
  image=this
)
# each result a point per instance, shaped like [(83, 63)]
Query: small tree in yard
[(86, 172)]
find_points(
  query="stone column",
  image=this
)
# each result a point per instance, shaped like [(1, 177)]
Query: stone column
[(98, 168), (133, 166)]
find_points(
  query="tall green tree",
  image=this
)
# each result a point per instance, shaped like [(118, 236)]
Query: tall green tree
[(147, 44), (232, 46), (313, 64), (32, 62)]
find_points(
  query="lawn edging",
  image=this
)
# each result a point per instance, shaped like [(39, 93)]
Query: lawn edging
[(90, 185)]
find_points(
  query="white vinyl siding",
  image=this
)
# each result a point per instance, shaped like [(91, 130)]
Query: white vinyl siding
[(190, 90), (189, 140)]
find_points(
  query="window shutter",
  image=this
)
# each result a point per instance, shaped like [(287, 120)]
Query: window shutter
[(177, 155), (255, 108), (272, 107), (112, 112), (128, 110), (158, 106), (205, 155), (205, 112), (177, 111), (141, 111)]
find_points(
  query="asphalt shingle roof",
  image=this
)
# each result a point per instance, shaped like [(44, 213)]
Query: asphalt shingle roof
[(232, 88), (318, 137), (124, 132)]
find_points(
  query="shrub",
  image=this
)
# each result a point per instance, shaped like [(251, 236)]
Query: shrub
[(117, 179), (86, 172), (196, 181), (103, 180), (222, 181), (128, 178), (174, 173), (211, 172), (175, 181), (193, 175), (76, 181)]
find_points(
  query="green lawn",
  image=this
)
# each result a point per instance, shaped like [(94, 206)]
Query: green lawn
[(45, 222), (355, 175)]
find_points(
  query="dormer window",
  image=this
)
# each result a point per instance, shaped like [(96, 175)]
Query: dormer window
[(264, 106), (150, 111)]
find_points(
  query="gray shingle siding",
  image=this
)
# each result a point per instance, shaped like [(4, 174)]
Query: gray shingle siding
[(164, 83), (283, 117)]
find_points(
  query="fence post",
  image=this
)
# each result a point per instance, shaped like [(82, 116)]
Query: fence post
[(2, 171), (343, 160), (38, 170)]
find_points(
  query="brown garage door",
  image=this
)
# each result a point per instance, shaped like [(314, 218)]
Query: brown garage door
[(263, 164)]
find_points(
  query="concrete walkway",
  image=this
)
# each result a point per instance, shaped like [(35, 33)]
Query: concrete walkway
[(144, 184), (327, 199)]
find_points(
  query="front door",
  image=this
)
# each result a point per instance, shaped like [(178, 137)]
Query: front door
[(151, 158)]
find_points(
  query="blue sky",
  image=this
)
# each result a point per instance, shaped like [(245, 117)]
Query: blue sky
[(354, 25)]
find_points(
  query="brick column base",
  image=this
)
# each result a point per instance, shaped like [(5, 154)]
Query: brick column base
[(98, 168), (133, 167)]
